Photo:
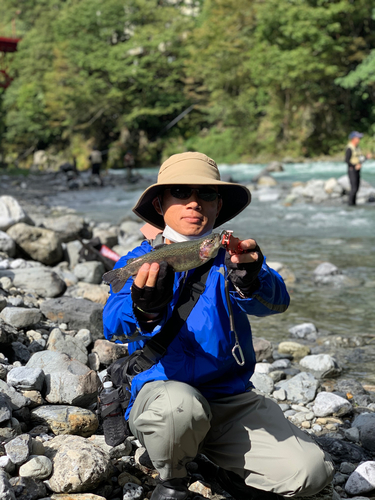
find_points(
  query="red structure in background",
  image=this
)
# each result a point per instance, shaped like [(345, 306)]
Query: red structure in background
[(6, 45)]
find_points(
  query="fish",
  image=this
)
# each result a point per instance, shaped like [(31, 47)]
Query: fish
[(180, 256)]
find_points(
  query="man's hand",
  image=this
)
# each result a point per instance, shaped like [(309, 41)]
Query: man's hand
[(358, 166), (250, 249), (244, 267), (152, 289)]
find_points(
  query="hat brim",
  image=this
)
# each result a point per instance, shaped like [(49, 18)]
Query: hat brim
[(236, 198)]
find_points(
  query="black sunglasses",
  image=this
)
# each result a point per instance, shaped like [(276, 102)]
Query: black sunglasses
[(205, 193)]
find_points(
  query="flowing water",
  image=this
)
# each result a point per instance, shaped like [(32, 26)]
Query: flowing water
[(300, 236)]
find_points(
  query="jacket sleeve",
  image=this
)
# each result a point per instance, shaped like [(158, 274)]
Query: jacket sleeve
[(118, 316), (270, 298)]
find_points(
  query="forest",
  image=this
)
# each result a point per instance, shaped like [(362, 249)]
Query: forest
[(240, 80)]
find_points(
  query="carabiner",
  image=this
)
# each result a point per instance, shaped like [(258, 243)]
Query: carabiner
[(241, 361)]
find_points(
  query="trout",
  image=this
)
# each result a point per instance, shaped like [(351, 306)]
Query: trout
[(180, 256)]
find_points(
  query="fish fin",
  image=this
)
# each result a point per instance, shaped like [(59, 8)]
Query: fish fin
[(116, 279)]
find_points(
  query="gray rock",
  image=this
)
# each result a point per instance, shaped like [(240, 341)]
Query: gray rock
[(76, 313), (90, 272), (6, 490), (40, 280), (7, 465), (20, 352), (342, 451), (7, 245), (67, 380), (132, 491), (26, 379), (39, 244), (67, 227), (5, 408), (58, 341), (62, 419), (352, 434), (3, 303), (28, 488), (327, 403), (323, 364), (78, 465), (11, 212), (362, 480), (347, 468), (365, 422), (262, 348), (122, 450), (71, 252), (129, 233), (304, 331), (84, 336), (264, 368), (106, 235), (18, 449), (281, 364), (18, 401), (37, 467), (277, 375), (262, 382), (349, 385), (20, 317), (326, 269), (280, 395), (300, 388)]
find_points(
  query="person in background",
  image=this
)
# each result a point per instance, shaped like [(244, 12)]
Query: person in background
[(354, 159), (129, 162), (96, 160), (199, 397)]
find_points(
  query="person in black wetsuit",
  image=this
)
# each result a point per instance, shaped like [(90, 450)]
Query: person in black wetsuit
[(354, 159)]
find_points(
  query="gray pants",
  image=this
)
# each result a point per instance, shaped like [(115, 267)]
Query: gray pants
[(246, 433)]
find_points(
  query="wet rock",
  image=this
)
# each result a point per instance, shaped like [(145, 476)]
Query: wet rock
[(26, 379), (28, 488), (11, 212), (20, 317), (108, 351), (323, 365), (306, 331), (73, 347), (76, 313), (62, 419), (40, 280), (301, 388), (67, 380), (39, 244), (90, 272), (362, 480), (294, 348), (366, 425), (349, 386), (18, 449), (37, 467), (78, 465), (327, 403)]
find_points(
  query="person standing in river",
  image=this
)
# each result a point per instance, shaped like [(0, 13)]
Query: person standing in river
[(198, 397), (354, 159), (96, 161)]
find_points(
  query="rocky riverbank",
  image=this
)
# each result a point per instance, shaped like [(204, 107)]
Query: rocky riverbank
[(53, 356)]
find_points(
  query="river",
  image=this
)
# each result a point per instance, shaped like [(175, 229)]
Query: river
[(300, 236)]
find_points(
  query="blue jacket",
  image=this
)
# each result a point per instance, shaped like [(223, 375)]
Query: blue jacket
[(201, 354)]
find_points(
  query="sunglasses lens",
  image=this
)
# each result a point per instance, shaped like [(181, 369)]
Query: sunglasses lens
[(184, 192), (207, 194)]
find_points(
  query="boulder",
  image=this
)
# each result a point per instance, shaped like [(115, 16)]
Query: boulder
[(62, 419), (11, 213), (327, 403), (90, 272), (21, 317), (323, 365), (61, 342), (89, 291), (76, 313), (294, 348), (300, 388), (23, 378), (39, 244), (78, 465), (67, 380), (67, 227), (362, 480), (40, 280), (108, 352)]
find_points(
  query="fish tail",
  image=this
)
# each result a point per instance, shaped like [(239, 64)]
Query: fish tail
[(117, 278)]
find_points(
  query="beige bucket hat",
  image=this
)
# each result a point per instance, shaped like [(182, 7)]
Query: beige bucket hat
[(192, 168)]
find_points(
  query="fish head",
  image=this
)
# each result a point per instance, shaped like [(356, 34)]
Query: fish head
[(210, 246)]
